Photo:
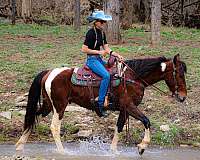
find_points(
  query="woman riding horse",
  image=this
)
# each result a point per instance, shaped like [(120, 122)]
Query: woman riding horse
[(94, 41)]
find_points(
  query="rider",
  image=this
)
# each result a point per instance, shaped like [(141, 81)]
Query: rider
[(96, 46)]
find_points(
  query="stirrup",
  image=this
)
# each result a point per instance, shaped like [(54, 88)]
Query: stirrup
[(100, 110)]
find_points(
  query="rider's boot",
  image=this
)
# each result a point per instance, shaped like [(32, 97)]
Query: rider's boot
[(102, 111)]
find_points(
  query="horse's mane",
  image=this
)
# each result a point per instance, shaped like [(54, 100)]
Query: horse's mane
[(183, 68), (146, 65)]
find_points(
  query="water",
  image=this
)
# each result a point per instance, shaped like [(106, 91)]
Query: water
[(97, 150)]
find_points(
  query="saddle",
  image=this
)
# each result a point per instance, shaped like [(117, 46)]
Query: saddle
[(83, 76)]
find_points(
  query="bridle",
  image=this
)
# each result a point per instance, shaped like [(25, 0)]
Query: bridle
[(174, 77)]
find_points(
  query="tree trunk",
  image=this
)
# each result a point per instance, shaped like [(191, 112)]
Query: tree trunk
[(155, 22), (77, 19), (26, 10), (127, 16), (13, 11), (112, 7)]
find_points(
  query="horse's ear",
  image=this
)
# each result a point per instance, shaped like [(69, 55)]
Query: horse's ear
[(176, 58)]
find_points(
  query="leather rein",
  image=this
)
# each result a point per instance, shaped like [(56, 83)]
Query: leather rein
[(154, 87)]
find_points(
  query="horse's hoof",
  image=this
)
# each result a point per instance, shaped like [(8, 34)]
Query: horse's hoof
[(62, 152), (141, 150), (113, 148), (19, 147)]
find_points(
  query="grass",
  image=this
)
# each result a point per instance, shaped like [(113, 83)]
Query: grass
[(27, 49), (69, 128), (166, 138)]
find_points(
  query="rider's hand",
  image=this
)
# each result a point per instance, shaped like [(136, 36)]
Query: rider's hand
[(118, 56), (103, 52)]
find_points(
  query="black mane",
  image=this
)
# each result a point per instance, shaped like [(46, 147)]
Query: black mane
[(144, 66), (184, 67)]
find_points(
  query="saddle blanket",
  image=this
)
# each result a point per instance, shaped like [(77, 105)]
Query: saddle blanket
[(85, 77)]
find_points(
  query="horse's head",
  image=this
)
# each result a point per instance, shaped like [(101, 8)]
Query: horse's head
[(153, 69), (174, 77)]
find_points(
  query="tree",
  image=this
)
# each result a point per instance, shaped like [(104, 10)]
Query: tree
[(112, 7), (26, 10), (77, 19), (127, 18), (155, 22), (13, 4)]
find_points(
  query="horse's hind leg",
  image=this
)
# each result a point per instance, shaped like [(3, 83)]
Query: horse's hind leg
[(55, 129), (59, 103), (23, 139)]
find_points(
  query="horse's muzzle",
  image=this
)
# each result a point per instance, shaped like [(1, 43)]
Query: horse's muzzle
[(180, 98)]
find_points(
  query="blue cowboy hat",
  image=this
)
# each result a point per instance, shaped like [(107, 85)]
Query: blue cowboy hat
[(99, 15)]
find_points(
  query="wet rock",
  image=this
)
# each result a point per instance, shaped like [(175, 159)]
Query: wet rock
[(6, 115), (21, 101), (164, 128), (112, 128), (14, 109), (184, 145), (149, 107), (177, 121), (87, 119), (81, 125), (197, 144), (84, 133), (76, 108)]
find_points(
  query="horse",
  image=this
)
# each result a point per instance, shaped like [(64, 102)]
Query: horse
[(56, 89)]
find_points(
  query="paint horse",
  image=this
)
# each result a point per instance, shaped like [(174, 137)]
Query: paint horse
[(57, 91)]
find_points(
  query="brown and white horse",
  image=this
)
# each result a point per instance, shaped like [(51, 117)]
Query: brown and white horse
[(57, 91)]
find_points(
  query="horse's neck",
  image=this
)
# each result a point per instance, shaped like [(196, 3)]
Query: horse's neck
[(152, 78)]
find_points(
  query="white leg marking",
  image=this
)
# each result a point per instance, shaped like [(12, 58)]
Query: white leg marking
[(23, 139), (115, 140), (55, 129), (146, 140), (147, 136), (56, 123)]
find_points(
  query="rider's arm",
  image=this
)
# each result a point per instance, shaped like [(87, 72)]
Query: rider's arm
[(107, 48), (85, 49)]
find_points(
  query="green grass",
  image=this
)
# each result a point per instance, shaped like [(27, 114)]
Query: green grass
[(166, 138), (35, 30), (43, 129), (3, 138), (70, 129), (170, 137)]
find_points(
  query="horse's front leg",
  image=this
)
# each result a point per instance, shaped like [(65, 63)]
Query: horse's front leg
[(137, 114), (119, 128)]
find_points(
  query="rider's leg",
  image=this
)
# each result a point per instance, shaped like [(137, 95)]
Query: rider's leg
[(97, 67)]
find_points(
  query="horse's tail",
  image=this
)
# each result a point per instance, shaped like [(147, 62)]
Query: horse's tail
[(33, 99)]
